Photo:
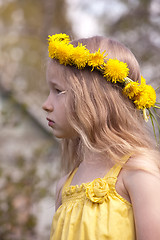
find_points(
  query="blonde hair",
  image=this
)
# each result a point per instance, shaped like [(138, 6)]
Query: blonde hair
[(107, 122)]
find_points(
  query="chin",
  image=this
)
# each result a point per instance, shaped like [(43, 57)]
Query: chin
[(61, 136), (69, 134), (65, 136)]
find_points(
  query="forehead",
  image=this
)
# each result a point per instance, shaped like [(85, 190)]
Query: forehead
[(55, 74)]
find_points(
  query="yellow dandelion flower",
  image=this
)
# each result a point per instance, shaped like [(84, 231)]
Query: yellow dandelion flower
[(59, 37), (131, 89), (80, 56), (52, 49), (142, 86), (96, 59), (146, 98), (115, 70), (143, 95), (63, 52), (143, 80), (56, 46)]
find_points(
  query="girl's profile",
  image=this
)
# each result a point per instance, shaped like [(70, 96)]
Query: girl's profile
[(98, 106)]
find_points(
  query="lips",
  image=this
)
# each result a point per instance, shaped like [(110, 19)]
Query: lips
[(50, 122)]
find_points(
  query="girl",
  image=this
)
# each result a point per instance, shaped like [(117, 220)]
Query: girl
[(95, 105)]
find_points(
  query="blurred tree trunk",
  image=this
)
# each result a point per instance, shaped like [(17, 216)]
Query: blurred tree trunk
[(55, 18)]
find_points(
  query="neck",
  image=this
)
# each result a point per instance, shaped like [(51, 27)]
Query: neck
[(94, 158), (94, 165)]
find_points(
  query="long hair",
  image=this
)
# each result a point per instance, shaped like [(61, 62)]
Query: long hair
[(106, 121)]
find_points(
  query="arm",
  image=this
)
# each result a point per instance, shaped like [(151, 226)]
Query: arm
[(144, 192), (58, 198)]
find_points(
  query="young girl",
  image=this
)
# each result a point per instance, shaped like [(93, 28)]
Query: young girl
[(97, 106)]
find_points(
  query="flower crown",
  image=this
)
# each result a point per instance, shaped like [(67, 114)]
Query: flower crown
[(113, 70)]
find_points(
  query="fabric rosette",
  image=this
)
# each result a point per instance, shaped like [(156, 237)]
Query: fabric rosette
[(97, 190)]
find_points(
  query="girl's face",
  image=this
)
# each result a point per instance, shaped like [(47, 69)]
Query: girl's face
[(55, 104)]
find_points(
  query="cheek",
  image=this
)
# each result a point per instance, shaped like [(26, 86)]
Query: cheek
[(65, 131), (68, 129)]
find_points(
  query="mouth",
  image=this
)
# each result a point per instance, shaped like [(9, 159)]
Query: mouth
[(50, 122)]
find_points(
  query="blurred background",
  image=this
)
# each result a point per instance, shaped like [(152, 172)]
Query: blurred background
[(29, 154)]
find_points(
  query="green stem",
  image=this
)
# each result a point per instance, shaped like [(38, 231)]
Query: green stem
[(127, 80), (145, 115), (150, 113), (156, 107), (152, 116), (156, 113)]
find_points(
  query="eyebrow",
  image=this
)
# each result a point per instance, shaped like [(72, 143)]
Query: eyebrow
[(54, 84)]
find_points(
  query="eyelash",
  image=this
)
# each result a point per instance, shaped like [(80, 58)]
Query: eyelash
[(59, 91)]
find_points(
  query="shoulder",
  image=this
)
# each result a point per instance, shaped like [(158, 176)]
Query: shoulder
[(143, 186), (59, 187), (139, 173)]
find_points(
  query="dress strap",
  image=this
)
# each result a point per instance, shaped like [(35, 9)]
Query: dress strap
[(115, 170), (69, 179)]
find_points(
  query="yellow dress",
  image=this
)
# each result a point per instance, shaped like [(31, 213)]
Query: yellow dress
[(93, 211)]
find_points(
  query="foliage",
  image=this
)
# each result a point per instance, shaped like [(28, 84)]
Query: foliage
[(21, 187)]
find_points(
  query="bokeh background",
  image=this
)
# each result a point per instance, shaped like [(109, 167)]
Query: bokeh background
[(29, 154)]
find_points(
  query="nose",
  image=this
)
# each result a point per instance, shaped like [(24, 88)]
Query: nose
[(47, 106)]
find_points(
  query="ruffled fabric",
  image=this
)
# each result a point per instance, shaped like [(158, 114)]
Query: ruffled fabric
[(97, 190), (93, 211)]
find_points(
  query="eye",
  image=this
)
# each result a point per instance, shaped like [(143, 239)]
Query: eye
[(58, 91)]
